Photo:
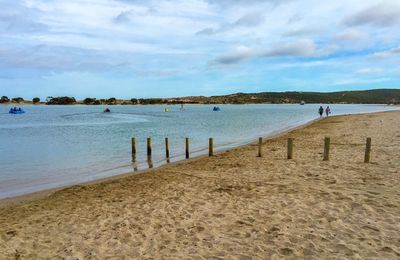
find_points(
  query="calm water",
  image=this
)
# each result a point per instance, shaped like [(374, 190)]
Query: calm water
[(52, 146)]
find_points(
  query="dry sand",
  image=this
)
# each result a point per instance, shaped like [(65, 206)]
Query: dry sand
[(232, 206)]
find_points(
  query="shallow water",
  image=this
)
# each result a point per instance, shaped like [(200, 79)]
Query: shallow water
[(53, 146)]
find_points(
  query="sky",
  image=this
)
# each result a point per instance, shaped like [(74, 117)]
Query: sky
[(167, 48)]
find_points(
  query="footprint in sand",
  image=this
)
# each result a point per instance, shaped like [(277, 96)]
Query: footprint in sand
[(286, 251)]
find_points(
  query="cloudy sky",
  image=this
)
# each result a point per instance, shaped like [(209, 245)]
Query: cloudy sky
[(165, 48)]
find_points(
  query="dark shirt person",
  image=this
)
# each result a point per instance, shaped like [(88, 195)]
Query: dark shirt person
[(320, 110)]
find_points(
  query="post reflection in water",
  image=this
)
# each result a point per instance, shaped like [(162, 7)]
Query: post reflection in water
[(134, 166), (150, 162)]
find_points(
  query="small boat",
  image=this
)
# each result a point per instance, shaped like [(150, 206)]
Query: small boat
[(16, 111), (107, 110), (166, 110), (216, 109), (302, 103)]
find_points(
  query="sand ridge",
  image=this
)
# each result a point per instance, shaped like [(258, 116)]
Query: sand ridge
[(234, 205)]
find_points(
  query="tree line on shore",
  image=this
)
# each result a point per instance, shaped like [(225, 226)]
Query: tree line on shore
[(376, 96), (90, 101), (5, 99)]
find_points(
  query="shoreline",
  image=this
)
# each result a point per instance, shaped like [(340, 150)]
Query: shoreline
[(233, 205), (31, 196), (27, 197)]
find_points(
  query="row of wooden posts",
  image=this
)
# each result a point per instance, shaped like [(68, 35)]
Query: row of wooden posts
[(327, 143), (187, 148)]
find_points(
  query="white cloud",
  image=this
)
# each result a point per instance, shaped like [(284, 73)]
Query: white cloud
[(385, 54), (247, 21), (206, 31), (305, 31), (238, 54), (352, 36), (378, 15), (123, 17), (301, 48), (250, 20), (367, 71)]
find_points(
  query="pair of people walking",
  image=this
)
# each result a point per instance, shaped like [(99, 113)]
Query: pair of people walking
[(321, 111)]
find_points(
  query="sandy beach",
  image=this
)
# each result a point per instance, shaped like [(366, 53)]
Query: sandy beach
[(234, 205)]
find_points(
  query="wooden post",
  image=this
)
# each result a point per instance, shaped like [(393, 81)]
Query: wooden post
[(367, 156), (290, 149), (187, 147), (259, 147), (326, 148), (166, 149), (149, 148), (210, 147), (133, 149)]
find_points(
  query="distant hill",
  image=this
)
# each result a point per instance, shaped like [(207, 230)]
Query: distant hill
[(376, 96)]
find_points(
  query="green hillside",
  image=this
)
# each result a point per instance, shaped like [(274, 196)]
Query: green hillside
[(377, 96)]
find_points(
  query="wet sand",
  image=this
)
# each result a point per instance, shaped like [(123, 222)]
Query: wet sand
[(231, 206)]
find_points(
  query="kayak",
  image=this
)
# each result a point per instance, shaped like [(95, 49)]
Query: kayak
[(16, 112)]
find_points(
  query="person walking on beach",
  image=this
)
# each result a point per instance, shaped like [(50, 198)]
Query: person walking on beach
[(320, 111), (327, 111)]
